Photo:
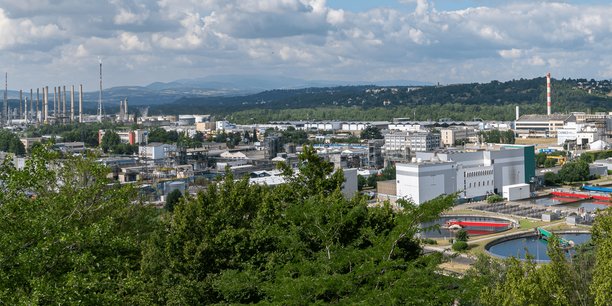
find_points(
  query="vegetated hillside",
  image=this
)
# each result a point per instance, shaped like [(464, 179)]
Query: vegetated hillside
[(494, 100)]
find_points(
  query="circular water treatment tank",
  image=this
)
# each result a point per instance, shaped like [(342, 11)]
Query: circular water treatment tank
[(520, 245), (447, 226)]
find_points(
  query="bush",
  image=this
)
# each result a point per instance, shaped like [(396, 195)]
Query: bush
[(462, 235), (460, 246), (494, 198), (429, 241)]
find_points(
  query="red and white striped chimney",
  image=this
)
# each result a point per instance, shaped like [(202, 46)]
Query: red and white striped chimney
[(548, 94)]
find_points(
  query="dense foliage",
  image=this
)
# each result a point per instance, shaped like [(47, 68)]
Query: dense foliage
[(70, 236), (497, 136), (572, 171), (371, 132), (9, 142), (87, 133), (67, 236)]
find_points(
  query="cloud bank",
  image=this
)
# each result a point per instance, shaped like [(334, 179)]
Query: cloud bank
[(140, 41)]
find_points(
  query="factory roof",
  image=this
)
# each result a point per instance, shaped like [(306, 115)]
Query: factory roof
[(539, 118)]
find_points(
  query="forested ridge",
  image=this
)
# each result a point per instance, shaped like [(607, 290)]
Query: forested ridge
[(71, 236), (494, 100)]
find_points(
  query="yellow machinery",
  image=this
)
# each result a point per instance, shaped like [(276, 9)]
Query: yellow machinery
[(560, 159)]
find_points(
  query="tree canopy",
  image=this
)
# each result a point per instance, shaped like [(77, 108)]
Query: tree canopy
[(71, 236)]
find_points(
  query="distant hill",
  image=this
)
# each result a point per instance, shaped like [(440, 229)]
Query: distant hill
[(568, 95)]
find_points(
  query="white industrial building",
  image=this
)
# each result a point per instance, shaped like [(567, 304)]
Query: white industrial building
[(471, 174), (516, 192), (582, 133), (541, 125), (156, 151)]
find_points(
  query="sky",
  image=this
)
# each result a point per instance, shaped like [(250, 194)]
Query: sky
[(58, 42)]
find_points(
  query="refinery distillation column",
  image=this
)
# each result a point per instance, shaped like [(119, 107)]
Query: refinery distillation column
[(46, 104), (71, 103), (548, 111)]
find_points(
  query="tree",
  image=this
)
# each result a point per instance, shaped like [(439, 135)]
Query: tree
[(9, 142), (68, 234), (371, 132), (388, 173), (574, 171), (462, 235), (297, 243), (516, 282), (601, 286), (172, 199), (110, 141)]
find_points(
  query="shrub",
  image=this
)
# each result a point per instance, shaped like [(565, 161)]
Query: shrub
[(429, 241), (494, 198), (462, 235), (460, 246)]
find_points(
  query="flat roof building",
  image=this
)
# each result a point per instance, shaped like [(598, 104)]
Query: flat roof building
[(472, 175)]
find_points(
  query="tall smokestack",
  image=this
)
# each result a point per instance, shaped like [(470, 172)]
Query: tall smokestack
[(64, 105), (20, 103), (517, 113), (46, 104), (125, 109), (81, 103), (548, 111), (71, 103), (55, 101), (37, 102)]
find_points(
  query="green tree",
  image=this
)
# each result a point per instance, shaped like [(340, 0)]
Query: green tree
[(388, 173), (9, 142), (297, 243), (110, 141), (462, 235), (574, 171), (172, 199), (68, 235), (601, 287), (494, 198), (371, 132)]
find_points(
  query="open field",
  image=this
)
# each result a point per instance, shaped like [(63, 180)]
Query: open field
[(536, 141)]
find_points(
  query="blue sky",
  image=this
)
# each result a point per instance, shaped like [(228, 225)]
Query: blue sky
[(45, 42)]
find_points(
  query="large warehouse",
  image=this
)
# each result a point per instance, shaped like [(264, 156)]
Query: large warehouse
[(471, 174)]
